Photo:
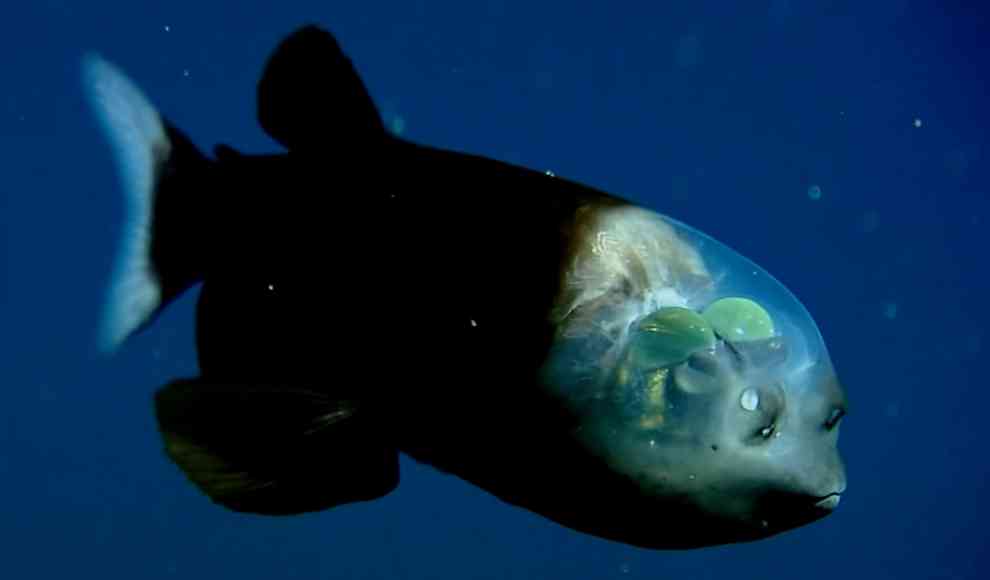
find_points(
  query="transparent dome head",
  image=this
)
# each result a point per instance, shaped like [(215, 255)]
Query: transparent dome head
[(658, 324)]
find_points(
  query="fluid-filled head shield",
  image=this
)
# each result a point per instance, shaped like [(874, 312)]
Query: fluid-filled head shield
[(690, 369)]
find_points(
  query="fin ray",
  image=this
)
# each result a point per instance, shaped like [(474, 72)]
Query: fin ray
[(155, 162), (274, 450), (140, 144)]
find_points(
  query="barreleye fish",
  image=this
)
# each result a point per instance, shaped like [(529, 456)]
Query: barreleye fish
[(595, 362)]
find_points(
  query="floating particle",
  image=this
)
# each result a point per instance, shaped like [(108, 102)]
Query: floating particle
[(185, 72), (974, 344), (957, 162), (892, 410), (687, 53), (168, 28), (870, 222), (815, 192), (624, 568), (46, 394), (890, 310), (550, 173), (917, 123)]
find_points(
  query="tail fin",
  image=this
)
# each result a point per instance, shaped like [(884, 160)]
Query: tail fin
[(154, 158)]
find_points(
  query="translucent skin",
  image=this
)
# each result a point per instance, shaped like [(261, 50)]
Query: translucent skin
[(743, 429)]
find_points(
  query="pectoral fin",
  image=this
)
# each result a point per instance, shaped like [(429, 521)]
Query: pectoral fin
[(275, 450)]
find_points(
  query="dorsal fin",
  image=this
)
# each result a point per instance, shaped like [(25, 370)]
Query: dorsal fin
[(310, 95)]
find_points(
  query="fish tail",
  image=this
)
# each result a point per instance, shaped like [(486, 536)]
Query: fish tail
[(254, 432), (159, 168)]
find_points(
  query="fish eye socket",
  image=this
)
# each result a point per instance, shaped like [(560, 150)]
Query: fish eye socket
[(834, 417)]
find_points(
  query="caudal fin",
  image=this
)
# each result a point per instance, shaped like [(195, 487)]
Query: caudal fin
[(154, 160)]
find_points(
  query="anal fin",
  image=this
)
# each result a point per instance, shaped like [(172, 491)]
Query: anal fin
[(274, 450)]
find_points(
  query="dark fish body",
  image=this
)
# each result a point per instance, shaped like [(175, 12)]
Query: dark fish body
[(364, 296)]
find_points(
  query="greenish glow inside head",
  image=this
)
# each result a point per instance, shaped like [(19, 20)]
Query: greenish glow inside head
[(739, 320), (669, 336)]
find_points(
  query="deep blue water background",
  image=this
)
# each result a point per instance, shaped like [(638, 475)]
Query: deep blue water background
[(720, 114)]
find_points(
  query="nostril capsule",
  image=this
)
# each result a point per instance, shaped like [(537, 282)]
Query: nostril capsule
[(834, 417)]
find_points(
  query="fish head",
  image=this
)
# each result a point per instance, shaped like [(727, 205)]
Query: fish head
[(699, 377)]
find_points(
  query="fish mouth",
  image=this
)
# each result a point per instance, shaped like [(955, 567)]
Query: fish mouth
[(797, 509), (829, 502)]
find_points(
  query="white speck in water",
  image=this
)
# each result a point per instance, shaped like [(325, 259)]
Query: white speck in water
[(890, 310), (975, 344), (892, 410), (185, 72), (870, 222), (653, 442), (691, 477), (917, 123), (474, 323), (550, 173), (687, 53), (168, 28), (815, 192), (624, 568), (45, 393), (271, 287)]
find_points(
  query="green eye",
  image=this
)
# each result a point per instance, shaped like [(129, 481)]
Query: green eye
[(669, 336), (739, 320)]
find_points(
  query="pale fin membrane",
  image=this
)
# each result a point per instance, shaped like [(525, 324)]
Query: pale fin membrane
[(140, 144)]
